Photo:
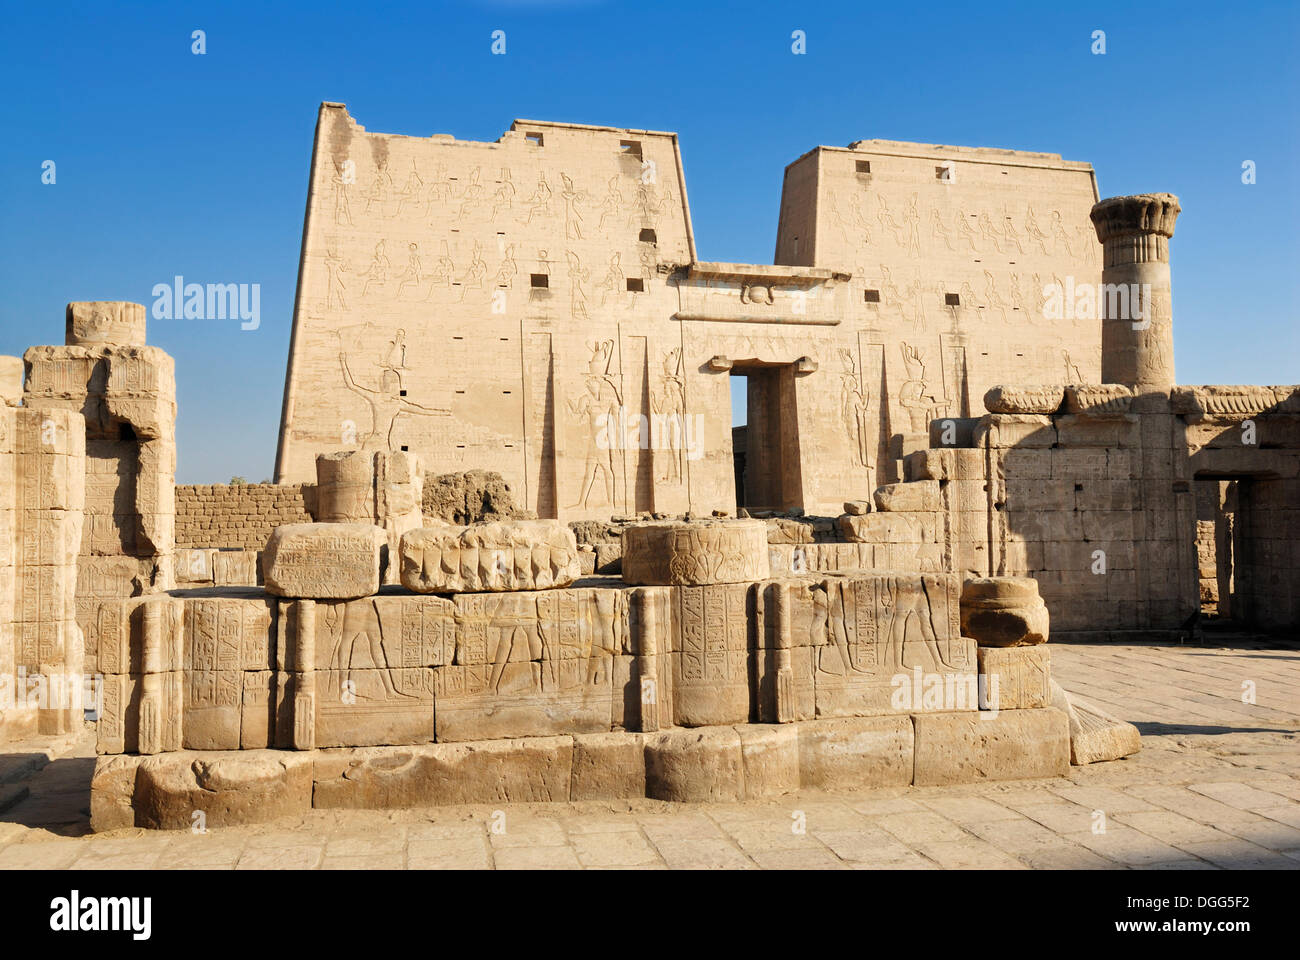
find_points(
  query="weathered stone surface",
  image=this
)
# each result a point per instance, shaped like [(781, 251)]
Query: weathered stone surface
[(11, 381), (1015, 678), (1099, 399), (1003, 611), (1095, 735), (498, 771), (489, 557), (112, 792), (105, 322), (248, 786), (608, 766), (696, 552), (474, 496), (1008, 745), (851, 753), (769, 755), (786, 530), (694, 766), (856, 508), (916, 496), (1018, 399), (335, 561)]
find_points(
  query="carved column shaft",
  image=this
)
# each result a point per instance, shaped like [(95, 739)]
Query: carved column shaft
[(1137, 338)]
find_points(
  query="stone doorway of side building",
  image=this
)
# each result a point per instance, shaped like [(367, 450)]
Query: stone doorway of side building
[(765, 436), (1235, 527)]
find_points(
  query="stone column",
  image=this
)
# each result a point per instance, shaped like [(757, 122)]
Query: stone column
[(1137, 339)]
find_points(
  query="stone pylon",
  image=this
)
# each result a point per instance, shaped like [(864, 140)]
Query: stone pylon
[(1137, 336)]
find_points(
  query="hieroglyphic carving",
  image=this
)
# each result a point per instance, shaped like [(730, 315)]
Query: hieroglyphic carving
[(855, 407)]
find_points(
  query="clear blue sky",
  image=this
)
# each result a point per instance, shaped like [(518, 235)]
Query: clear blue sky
[(171, 163)]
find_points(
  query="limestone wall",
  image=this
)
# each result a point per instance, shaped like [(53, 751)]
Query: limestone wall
[(238, 517)]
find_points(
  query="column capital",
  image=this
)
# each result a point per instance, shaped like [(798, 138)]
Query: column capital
[(1144, 213)]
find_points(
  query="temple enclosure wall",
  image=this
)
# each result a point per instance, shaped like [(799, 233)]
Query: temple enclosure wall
[(238, 516)]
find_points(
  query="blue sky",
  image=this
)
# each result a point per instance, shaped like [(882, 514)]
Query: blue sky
[(172, 163)]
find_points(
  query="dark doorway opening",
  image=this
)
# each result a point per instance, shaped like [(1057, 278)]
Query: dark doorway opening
[(765, 437)]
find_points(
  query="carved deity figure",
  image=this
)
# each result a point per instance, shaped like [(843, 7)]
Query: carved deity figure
[(386, 402), (914, 395)]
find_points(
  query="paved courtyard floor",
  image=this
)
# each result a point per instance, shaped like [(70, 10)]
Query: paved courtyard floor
[(1217, 785)]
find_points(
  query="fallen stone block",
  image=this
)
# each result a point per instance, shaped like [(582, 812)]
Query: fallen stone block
[(912, 496), (1094, 734), (324, 561), (489, 557), (691, 553), (856, 508)]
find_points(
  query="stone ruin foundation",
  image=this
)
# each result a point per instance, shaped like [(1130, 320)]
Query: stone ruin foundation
[(370, 655)]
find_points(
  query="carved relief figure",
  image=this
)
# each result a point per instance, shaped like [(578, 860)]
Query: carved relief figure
[(914, 395), (335, 267), (381, 188), (508, 270), (965, 232), (989, 232), (379, 267), (342, 212), (411, 191), (577, 295), (669, 403), (539, 204), (855, 402), (912, 221), (599, 406), (476, 272), (411, 275), (505, 195), (937, 230), (443, 269), (612, 203), (995, 301), (357, 630), (386, 402), (1032, 231), (1072, 372), (860, 223), (1059, 235), (887, 219), (471, 195), (614, 279)]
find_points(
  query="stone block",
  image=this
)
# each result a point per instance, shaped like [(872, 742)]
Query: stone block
[(1095, 735), (1015, 678), (695, 766), (105, 323), (1007, 745), (492, 557), (1003, 611), (1024, 400), (11, 382), (242, 787), (497, 771), (608, 766), (112, 793), (856, 508), (695, 552), (1015, 430), (852, 753), (324, 560), (913, 497), (769, 759)]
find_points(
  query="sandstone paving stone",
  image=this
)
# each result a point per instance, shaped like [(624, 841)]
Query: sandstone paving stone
[(915, 828), (1129, 846), (296, 857), (528, 833), (968, 853), (698, 853), (1237, 856), (384, 861), (970, 810), (798, 858), (453, 853), (613, 849), (1170, 827), (537, 858)]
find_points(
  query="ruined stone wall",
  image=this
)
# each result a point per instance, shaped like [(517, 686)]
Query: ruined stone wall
[(42, 490), (238, 517)]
